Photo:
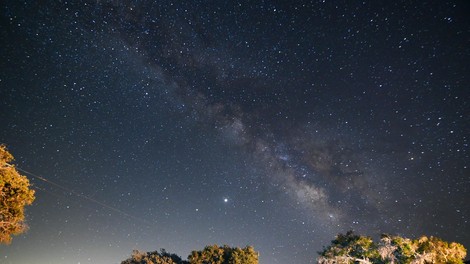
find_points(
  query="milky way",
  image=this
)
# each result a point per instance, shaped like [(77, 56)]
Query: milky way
[(270, 124)]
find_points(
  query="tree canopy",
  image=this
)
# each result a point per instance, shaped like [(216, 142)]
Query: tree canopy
[(352, 248), (224, 255), (154, 257), (209, 255), (15, 194)]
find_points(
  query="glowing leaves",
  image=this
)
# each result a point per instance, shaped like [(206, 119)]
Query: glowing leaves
[(351, 248), (15, 194)]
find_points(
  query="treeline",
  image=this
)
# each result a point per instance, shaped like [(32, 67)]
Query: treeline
[(346, 248)]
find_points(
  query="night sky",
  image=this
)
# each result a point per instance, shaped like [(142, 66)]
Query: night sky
[(273, 124)]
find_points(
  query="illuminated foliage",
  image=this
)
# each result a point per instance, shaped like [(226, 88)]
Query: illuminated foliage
[(209, 255), (155, 257), (435, 250), (15, 194), (224, 255), (351, 248)]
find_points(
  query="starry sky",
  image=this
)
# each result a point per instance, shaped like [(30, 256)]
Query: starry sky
[(171, 124)]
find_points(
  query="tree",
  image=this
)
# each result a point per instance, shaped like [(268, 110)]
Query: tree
[(154, 257), (209, 255), (435, 250), (15, 194), (396, 249), (224, 255), (246, 255), (351, 248)]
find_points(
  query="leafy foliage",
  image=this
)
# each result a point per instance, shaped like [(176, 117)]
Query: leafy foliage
[(155, 257), (224, 255), (15, 194), (209, 255), (351, 248)]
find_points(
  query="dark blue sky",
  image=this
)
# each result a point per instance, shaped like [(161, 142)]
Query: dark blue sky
[(270, 124)]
